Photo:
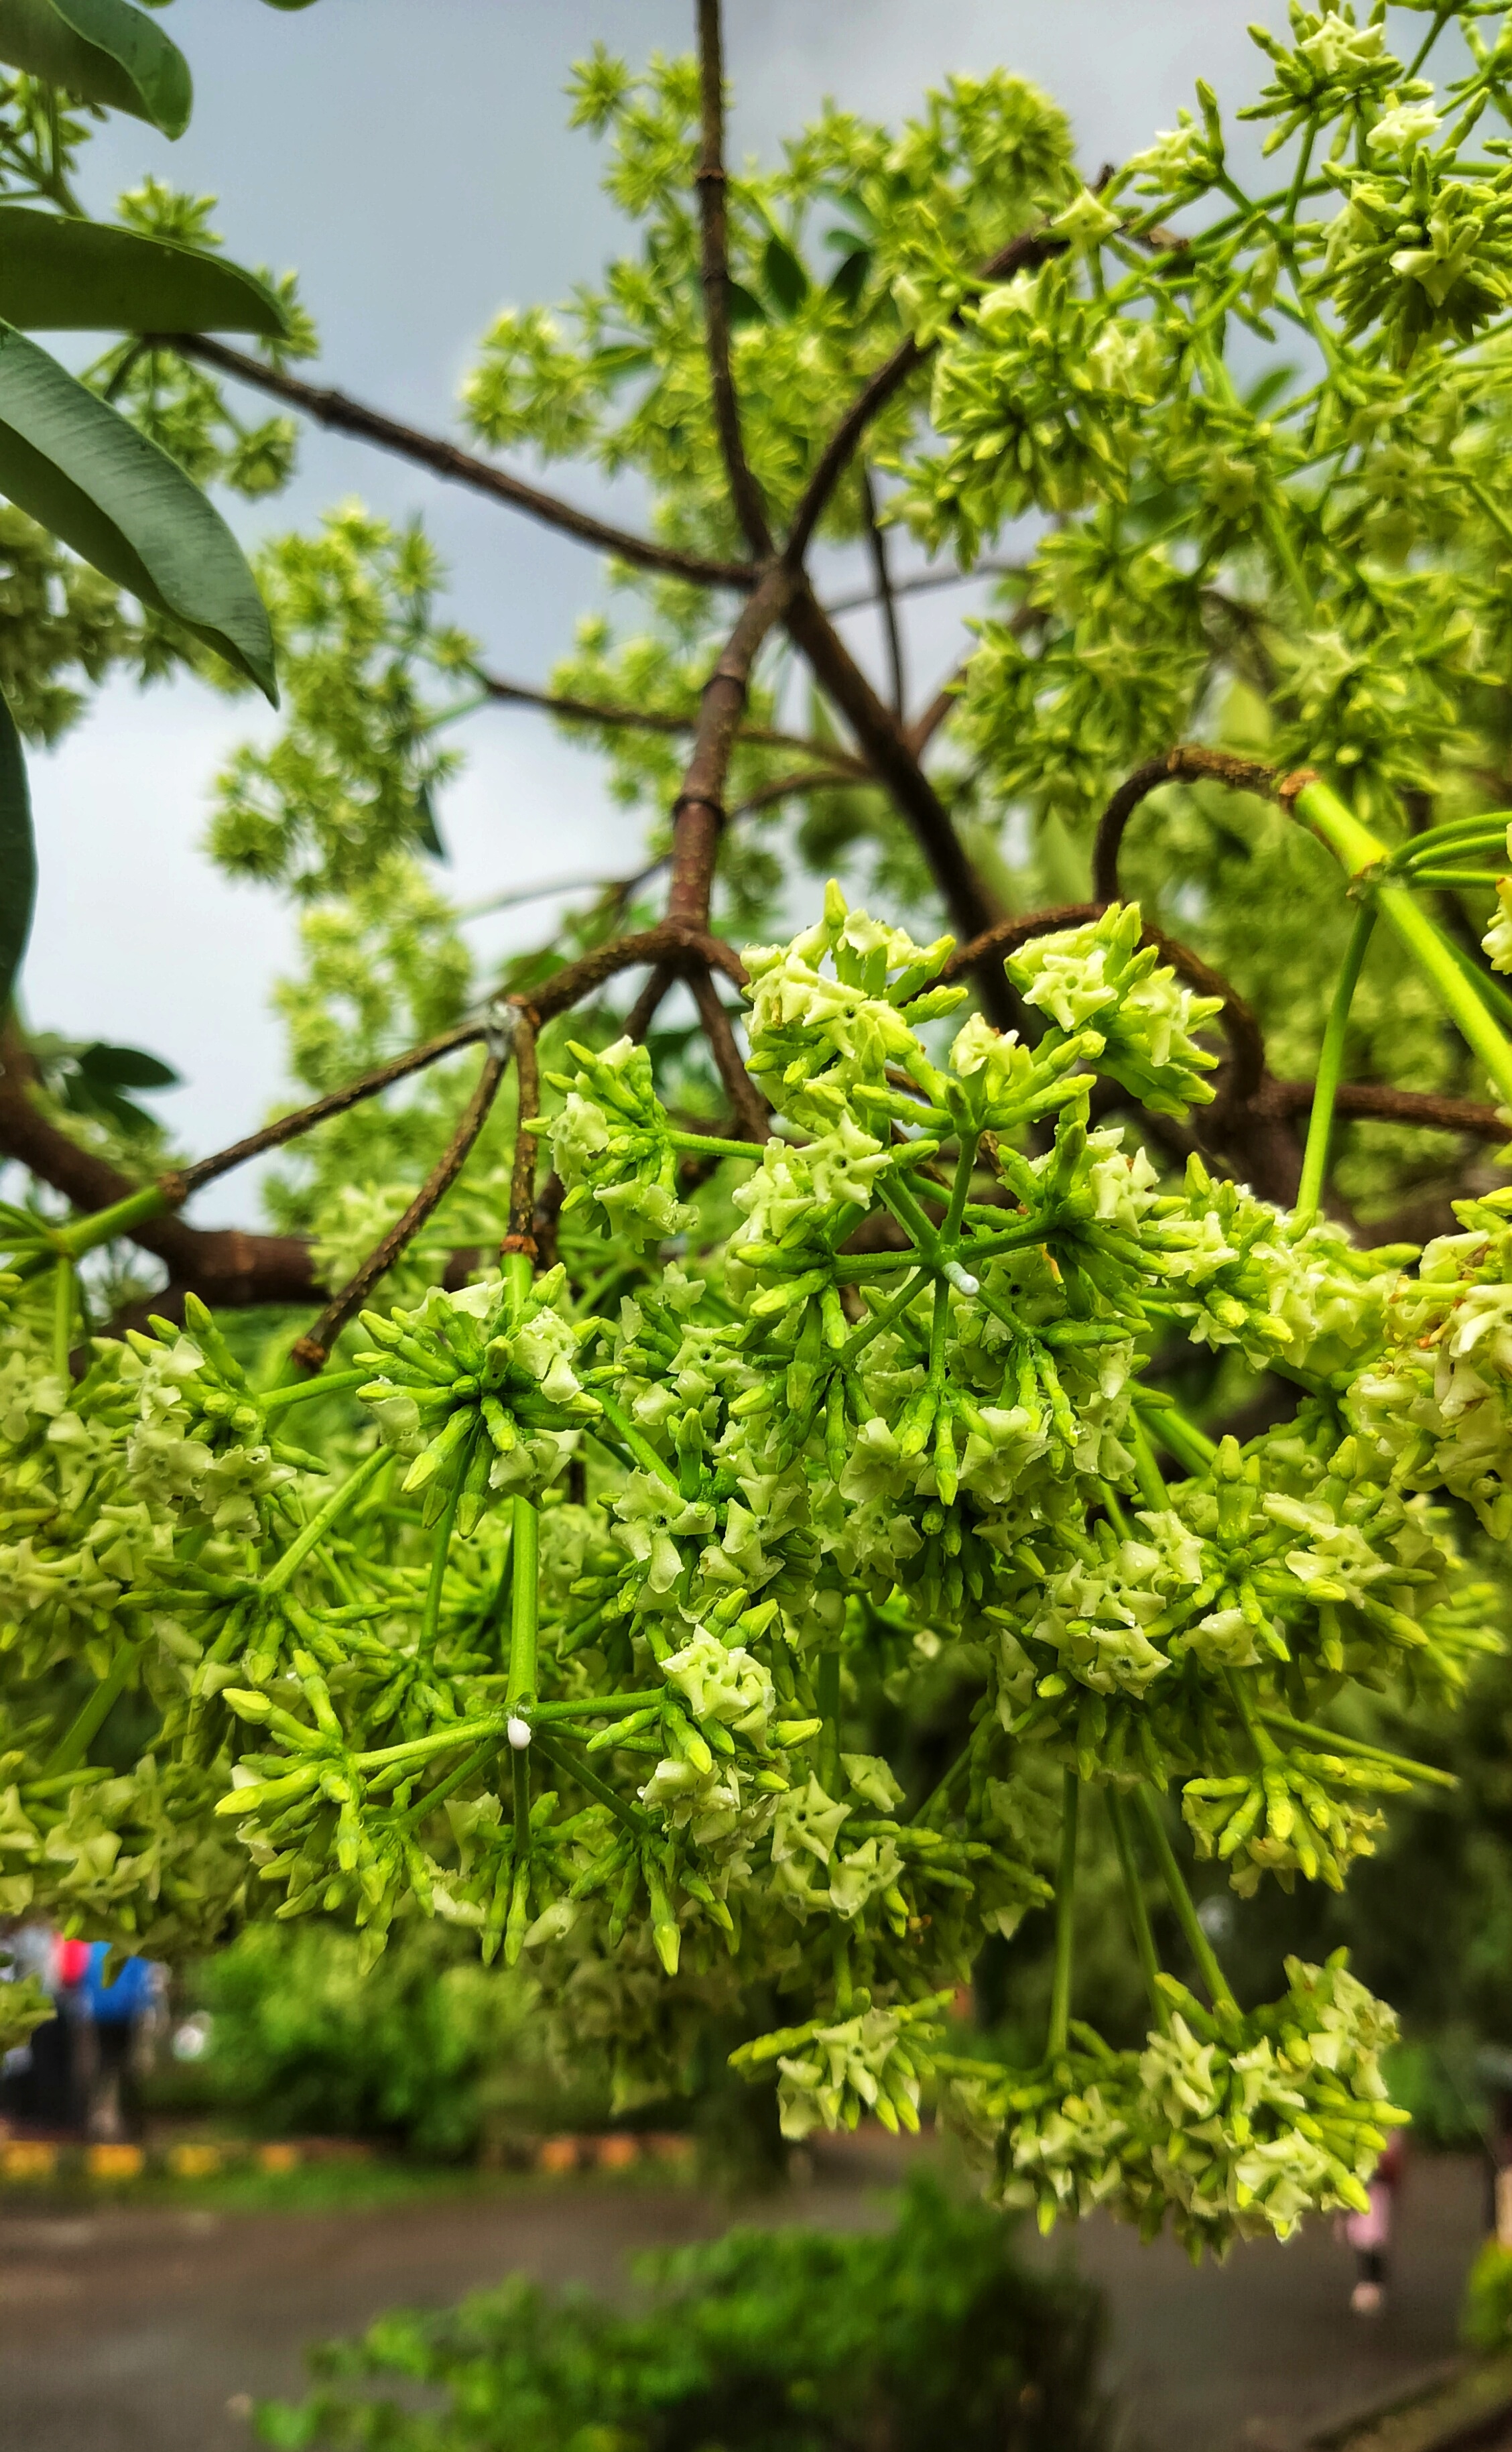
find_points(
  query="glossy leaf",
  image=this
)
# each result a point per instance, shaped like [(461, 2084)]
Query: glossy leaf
[(850, 277), (744, 307), (62, 276), (18, 857), (121, 504), (127, 1068), (786, 282), (103, 50)]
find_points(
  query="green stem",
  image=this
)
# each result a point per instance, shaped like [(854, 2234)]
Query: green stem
[(1148, 1474), (1138, 1911), (707, 1145), (75, 1741), (1330, 1742), (440, 1552), (321, 1522), (1060, 1991), (829, 1702), (85, 1234), (636, 1441), (1330, 1067), (1187, 1443), (1360, 852), (524, 1606), (62, 1317), (631, 1815), (299, 1391), (861, 1336), (415, 1813), (1180, 1897)]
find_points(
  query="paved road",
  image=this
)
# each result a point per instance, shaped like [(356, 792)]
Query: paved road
[(128, 2330)]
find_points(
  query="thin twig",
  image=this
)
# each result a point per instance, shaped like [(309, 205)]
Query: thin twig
[(312, 1350), (587, 710), (714, 224), (347, 416), (923, 582), (336, 1102), (877, 544), (750, 1106), (648, 1003)]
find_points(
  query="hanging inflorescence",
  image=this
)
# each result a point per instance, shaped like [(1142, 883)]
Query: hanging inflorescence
[(563, 1633)]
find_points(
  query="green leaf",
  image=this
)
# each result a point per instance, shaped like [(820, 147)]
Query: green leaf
[(104, 51), (425, 826), (127, 1068), (744, 308), (18, 856), (121, 504), (62, 276), (850, 278), (787, 284)]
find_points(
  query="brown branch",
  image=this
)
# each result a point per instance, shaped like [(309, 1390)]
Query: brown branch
[(670, 942), (922, 582), (1247, 1046), (635, 719), (1426, 1108), (648, 1003), (336, 1102), (1030, 247), (312, 1350), (894, 766), (347, 416), (221, 1263), (520, 1236), (1186, 764), (750, 1107), (699, 812), (877, 544), (713, 222)]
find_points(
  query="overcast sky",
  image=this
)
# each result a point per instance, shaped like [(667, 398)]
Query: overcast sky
[(410, 158)]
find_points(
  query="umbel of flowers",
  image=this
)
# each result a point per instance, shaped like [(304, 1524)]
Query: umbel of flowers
[(563, 1630)]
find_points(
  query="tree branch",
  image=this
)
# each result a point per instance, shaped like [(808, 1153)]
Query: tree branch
[(894, 765), (750, 1106), (347, 416), (336, 1102), (1184, 764), (713, 222), (699, 812), (877, 544), (635, 718), (312, 1350), (1030, 247)]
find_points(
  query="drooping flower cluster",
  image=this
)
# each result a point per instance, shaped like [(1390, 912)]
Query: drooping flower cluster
[(577, 1632)]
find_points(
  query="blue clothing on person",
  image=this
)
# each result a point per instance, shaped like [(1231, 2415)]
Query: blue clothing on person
[(130, 1997)]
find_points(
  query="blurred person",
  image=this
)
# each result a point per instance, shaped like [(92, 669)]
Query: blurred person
[(40, 2078), (117, 2020), (1369, 2234)]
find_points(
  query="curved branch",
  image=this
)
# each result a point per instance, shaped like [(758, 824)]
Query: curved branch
[(1247, 1046), (670, 942), (312, 1350), (1186, 764), (711, 181), (347, 416), (1378, 1100), (1030, 247)]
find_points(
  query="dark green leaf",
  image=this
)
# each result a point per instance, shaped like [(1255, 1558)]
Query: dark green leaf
[(425, 826), (83, 1097), (18, 856), (787, 284), (850, 278), (126, 507), (126, 1068), (744, 308), (73, 276), (1270, 387), (104, 51), (289, 5)]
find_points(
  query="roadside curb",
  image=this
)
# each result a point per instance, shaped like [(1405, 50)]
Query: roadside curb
[(1458, 2408)]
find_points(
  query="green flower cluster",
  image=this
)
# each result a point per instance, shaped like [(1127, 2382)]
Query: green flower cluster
[(564, 1635)]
